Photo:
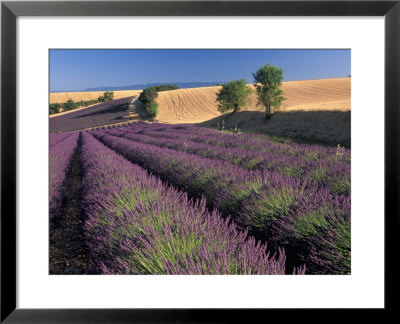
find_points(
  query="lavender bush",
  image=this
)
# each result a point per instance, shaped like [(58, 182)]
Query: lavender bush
[(311, 224), (60, 157), (137, 225), (258, 201), (55, 138), (311, 167)]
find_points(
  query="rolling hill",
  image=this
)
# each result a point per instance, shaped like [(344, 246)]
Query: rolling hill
[(315, 109)]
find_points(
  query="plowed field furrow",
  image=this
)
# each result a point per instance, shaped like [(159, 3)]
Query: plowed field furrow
[(198, 104)]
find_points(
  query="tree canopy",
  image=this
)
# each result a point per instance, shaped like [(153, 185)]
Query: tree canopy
[(148, 95), (267, 81), (166, 87), (234, 95), (108, 95)]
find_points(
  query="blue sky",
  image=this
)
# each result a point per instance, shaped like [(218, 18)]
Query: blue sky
[(72, 70)]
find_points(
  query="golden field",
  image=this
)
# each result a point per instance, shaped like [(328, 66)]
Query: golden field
[(198, 104), (317, 109), (60, 97)]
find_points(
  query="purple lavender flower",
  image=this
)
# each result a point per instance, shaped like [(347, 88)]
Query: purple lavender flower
[(137, 225)]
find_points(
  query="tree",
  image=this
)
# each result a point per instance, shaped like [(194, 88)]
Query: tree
[(234, 95), (108, 95), (166, 87), (148, 98), (152, 108), (70, 104), (148, 95), (267, 81)]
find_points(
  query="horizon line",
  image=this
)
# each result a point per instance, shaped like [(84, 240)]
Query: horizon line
[(172, 83)]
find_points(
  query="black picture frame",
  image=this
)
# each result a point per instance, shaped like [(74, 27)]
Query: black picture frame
[(10, 10)]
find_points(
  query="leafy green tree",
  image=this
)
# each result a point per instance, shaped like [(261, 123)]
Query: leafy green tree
[(267, 81), (166, 87), (148, 95), (70, 104), (234, 95), (152, 108), (108, 95), (54, 108)]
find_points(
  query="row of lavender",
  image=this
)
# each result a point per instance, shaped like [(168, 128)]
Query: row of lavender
[(125, 232), (54, 139), (309, 221), (108, 112), (252, 142), (62, 149), (311, 164), (137, 225)]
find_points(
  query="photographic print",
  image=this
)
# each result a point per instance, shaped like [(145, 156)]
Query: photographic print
[(200, 161)]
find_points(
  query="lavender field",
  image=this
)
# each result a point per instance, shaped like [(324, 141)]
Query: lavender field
[(151, 198), (108, 112)]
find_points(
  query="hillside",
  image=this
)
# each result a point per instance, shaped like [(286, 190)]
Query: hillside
[(59, 97), (316, 109)]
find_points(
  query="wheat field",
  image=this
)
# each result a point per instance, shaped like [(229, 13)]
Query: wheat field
[(60, 97), (198, 104), (315, 109)]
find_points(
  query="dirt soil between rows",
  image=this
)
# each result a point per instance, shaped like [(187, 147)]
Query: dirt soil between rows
[(67, 253)]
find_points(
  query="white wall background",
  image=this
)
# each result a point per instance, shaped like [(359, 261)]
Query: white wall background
[(364, 288)]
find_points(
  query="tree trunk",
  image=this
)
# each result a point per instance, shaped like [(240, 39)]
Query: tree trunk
[(268, 112)]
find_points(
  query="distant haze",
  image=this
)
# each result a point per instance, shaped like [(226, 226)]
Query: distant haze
[(100, 70)]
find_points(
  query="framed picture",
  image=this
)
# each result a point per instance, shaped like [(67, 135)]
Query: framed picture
[(335, 55)]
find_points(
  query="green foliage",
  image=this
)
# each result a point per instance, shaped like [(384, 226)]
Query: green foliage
[(152, 108), (278, 203), (340, 186), (70, 104), (234, 95), (166, 87), (307, 225), (148, 95), (108, 95), (293, 171), (55, 108), (268, 80), (335, 247)]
